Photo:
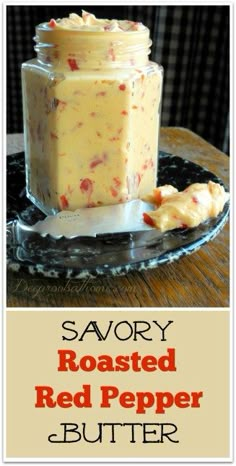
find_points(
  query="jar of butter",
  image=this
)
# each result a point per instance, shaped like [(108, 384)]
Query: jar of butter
[(91, 105)]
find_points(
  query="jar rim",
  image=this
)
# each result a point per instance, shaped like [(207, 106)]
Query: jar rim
[(101, 47), (44, 27)]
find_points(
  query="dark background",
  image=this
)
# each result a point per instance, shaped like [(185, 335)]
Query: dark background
[(191, 43)]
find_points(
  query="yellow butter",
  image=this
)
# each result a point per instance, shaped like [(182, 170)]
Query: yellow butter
[(91, 117)]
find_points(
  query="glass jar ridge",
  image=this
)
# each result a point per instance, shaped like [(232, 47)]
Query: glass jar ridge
[(92, 49)]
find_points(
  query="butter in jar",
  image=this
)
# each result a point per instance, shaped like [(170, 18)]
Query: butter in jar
[(91, 107)]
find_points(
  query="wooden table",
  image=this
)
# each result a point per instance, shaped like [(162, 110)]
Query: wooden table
[(198, 280)]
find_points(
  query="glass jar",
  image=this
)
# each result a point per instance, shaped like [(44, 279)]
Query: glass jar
[(91, 105)]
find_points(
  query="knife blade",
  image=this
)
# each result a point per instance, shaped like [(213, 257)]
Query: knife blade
[(93, 222)]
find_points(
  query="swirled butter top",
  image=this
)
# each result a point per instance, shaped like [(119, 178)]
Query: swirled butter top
[(89, 22)]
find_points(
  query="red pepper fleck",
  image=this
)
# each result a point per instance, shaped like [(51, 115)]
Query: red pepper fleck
[(135, 26), (72, 64), (148, 164), (117, 181), (124, 112), (113, 191), (182, 225), (122, 87), (111, 53), (53, 135), (95, 162), (98, 159), (114, 138), (86, 185), (52, 23), (194, 199), (158, 197), (64, 201), (92, 114), (139, 177), (61, 104), (102, 93), (148, 219)]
